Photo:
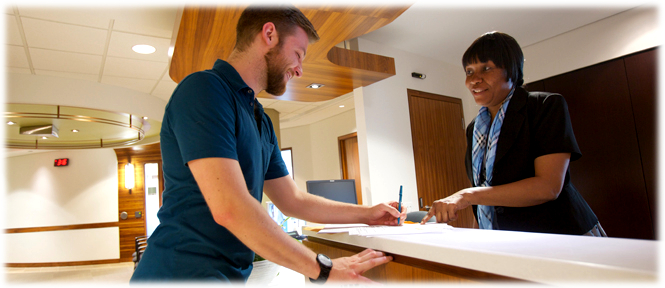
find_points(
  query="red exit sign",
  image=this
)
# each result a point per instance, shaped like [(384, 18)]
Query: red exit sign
[(61, 162)]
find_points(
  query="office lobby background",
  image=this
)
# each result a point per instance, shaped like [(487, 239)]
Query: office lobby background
[(87, 192)]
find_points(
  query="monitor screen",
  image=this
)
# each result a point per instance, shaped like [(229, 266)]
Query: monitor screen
[(338, 190)]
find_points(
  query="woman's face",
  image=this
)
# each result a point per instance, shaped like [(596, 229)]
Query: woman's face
[(488, 84)]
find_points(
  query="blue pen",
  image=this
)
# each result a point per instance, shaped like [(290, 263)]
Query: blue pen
[(399, 204)]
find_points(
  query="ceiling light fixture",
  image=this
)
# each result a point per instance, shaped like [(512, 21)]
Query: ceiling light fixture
[(341, 106), (315, 86), (145, 117), (144, 49), (44, 137), (75, 131), (42, 130), (11, 123)]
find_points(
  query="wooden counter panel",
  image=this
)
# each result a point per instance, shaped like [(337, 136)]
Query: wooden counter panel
[(406, 269)]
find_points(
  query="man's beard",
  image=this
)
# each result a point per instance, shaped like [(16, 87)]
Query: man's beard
[(276, 67)]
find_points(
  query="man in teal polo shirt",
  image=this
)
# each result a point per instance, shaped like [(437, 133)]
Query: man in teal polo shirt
[(220, 153)]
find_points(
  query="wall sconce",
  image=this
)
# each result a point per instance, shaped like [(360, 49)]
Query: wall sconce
[(129, 176)]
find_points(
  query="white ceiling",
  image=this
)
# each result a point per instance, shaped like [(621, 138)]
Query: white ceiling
[(444, 32), (94, 43)]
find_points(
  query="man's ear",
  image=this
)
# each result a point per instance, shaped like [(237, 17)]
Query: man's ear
[(269, 34)]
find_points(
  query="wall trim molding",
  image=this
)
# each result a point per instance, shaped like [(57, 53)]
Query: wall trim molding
[(61, 228), (56, 264)]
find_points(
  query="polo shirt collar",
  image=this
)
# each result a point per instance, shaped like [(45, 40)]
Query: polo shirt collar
[(226, 71)]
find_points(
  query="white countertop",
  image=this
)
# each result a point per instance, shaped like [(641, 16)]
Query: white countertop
[(537, 257)]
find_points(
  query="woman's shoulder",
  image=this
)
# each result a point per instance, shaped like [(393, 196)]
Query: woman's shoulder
[(538, 99), (542, 95)]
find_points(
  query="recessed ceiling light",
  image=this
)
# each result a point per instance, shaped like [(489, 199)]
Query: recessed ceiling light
[(75, 131), (315, 86), (11, 123), (341, 106), (143, 49), (145, 117), (44, 137)]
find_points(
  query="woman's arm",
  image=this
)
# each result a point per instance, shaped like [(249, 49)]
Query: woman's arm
[(546, 185)]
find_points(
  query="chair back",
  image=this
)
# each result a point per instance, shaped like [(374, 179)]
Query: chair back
[(417, 216)]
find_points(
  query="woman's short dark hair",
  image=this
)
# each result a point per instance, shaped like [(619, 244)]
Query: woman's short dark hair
[(502, 49), (285, 17)]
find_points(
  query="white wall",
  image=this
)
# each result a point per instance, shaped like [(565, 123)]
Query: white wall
[(315, 149), (325, 147), (384, 127), (384, 133), (63, 246), (298, 139), (39, 194), (622, 34)]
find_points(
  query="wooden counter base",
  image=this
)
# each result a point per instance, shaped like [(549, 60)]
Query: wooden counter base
[(407, 269)]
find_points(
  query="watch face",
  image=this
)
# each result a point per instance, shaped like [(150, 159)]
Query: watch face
[(324, 260)]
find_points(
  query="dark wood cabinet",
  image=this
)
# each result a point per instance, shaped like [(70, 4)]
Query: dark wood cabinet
[(612, 108)]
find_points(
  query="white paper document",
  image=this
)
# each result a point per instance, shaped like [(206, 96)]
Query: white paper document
[(377, 230), (339, 228)]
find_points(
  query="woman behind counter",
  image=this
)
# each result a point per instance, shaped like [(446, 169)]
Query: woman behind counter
[(518, 150)]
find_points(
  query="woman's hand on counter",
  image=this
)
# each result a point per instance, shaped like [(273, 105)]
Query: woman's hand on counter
[(350, 269), (446, 209)]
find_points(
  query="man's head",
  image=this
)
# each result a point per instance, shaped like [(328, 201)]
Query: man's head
[(286, 19), (286, 32)]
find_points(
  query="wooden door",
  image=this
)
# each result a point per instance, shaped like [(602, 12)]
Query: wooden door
[(350, 161), (439, 144)]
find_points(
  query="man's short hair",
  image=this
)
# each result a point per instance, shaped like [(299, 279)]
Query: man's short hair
[(285, 17)]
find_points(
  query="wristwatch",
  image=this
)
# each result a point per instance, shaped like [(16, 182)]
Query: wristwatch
[(326, 265)]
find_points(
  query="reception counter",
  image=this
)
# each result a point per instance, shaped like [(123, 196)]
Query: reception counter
[(472, 255)]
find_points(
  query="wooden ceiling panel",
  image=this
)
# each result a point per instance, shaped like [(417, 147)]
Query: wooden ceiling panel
[(208, 33)]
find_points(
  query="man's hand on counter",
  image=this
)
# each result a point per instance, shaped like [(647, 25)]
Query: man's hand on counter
[(350, 269)]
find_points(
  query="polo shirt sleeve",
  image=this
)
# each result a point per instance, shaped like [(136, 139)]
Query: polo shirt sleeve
[(276, 168), (203, 118), (553, 129)]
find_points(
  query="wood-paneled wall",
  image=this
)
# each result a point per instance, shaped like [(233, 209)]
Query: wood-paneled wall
[(134, 201), (612, 109)]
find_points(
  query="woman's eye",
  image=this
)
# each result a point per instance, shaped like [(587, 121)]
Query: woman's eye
[(468, 72), (487, 68)]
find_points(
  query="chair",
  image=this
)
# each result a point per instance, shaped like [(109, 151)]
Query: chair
[(140, 243), (417, 216)]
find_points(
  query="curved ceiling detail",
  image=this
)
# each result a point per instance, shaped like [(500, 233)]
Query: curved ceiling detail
[(342, 72), (38, 126), (100, 112)]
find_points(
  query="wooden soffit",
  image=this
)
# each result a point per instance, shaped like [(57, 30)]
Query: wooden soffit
[(207, 33)]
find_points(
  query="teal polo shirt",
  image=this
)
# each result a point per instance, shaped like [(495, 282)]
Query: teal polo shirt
[(210, 114)]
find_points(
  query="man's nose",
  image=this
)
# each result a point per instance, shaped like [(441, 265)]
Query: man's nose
[(298, 71)]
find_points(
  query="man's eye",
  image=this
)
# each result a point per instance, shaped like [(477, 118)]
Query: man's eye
[(487, 68), (469, 72)]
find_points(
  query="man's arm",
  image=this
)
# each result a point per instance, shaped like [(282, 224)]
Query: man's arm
[(284, 193), (223, 187)]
